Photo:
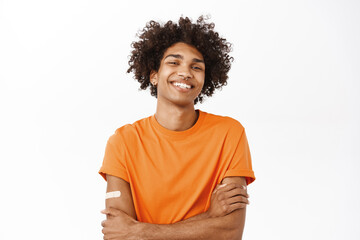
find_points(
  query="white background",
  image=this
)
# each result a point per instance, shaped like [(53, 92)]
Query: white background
[(294, 85)]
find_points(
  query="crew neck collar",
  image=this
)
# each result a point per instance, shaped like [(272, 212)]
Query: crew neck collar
[(178, 134)]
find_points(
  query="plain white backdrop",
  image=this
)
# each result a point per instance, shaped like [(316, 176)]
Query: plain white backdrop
[(294, 85)]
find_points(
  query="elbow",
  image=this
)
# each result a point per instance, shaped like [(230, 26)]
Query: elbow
[(236, 226), (236, 236), (231, 232)]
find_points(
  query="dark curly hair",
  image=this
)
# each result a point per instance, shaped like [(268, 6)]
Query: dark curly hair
[(155, 39)]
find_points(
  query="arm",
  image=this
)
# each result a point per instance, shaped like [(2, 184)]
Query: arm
[(207, 225), (125, 201), (224, 200), (230, 226)]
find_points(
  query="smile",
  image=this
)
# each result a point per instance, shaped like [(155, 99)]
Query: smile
[(182, 87)]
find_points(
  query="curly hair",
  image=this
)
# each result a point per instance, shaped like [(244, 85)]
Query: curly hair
[(155, 39)]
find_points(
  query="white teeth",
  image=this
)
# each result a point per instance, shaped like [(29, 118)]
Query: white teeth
[(182, 85)]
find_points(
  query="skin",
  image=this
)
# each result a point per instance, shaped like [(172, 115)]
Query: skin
[(175, 111), (224, 219)]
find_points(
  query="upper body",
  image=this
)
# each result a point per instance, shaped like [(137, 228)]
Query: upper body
[(173, 173), (168, 180)]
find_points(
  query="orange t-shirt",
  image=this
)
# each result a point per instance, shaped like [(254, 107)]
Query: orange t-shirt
[(173, 173)]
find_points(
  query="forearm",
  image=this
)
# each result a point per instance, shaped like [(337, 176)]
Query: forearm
[(227, 227), (196, 217)]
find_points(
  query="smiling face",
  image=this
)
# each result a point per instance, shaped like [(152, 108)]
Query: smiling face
[(181, 75)]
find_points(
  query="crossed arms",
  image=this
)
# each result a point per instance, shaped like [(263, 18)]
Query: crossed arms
[(224, 219)]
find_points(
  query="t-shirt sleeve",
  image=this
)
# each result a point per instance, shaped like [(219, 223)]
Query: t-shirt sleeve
[(114, 162), (240, 163)]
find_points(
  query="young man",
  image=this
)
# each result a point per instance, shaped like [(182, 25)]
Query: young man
[(180, 173)]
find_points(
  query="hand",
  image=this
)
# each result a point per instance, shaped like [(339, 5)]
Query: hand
[(227, 198), (118, 225)]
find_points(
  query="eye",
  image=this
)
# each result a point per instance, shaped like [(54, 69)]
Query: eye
[(197, 68), (173, 63)]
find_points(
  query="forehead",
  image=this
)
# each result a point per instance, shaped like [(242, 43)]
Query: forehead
[(184, 49)]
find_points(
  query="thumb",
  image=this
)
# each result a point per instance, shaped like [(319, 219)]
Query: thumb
[(111, 211)]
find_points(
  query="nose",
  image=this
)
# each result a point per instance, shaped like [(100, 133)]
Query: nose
[(185, 74)]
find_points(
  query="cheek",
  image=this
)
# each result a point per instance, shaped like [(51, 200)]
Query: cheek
[(165, 72), (202, 83)]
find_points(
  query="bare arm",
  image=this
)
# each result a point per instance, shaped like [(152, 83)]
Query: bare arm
[(225, 199), (124, 202), (230, 226), (202, 226)]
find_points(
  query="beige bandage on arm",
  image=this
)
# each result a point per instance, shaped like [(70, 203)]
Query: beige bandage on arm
[(114, 194)]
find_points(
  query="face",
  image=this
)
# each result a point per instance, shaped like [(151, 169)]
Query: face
[(181, 75)]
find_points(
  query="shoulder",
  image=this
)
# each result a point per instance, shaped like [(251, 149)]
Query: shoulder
[(224, 122), (129, 131)]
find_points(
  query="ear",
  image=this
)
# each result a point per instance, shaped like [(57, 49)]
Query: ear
[(153, 77)]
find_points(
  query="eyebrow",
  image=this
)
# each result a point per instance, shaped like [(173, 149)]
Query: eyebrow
[(182, 58)]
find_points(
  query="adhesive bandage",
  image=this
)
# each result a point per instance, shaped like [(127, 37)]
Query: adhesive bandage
[(114, 194)]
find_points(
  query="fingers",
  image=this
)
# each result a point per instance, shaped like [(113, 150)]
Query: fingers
[(235, 192), (111, 212), (228, 208), (231, 189), (237, 199), (107, 230), (219, 186), (231, 186), (236, 206), (232, 196)]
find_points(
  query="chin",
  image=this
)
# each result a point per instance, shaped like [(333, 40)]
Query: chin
[(183, 102)]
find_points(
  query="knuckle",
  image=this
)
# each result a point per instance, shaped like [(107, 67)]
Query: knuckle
[(221, 193), (238, 191), (242, 191), (240, 206), (225, 208), (242, 187), (239, 186)]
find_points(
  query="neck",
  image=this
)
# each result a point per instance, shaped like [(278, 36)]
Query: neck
[(176, 118)]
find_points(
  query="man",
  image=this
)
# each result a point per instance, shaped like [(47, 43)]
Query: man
[(164, 172)]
